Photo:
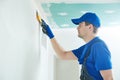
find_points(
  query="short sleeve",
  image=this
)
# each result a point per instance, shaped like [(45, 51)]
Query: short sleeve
[(78, 52), (102, 56)]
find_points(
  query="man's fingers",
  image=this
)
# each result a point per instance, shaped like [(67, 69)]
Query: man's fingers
[(44, 31)]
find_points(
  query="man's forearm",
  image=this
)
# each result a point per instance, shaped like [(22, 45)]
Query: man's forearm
[(107, 74), (58, 49)]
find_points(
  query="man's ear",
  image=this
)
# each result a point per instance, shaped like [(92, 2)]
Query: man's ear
[(90, 27)]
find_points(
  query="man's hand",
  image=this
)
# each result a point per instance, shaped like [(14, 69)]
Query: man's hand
[(46, 29)]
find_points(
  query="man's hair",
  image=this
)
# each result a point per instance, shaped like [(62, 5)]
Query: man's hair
[(95, 29)]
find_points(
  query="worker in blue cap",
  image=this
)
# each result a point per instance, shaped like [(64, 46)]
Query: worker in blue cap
[(94, 56)]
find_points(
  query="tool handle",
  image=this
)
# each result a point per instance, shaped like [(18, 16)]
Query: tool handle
[(39, 19)]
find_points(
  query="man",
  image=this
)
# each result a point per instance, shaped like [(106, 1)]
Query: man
[(94, 56)]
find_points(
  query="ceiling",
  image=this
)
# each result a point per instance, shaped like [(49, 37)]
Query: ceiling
[(59, 15), (79, 1)]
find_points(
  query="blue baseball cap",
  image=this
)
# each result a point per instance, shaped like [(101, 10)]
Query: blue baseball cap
[(90, 17)]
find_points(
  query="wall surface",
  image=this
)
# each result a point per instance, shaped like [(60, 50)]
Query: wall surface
[(19, 41)]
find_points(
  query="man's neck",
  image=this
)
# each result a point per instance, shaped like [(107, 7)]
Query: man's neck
[(88, 39)]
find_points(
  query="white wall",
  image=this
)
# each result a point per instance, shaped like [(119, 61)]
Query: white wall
[(19, 41), (69, 70)]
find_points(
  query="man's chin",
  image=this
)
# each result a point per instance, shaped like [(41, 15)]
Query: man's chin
[(80, 36)]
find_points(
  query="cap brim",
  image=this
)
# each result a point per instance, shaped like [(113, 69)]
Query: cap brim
[(76, 21)]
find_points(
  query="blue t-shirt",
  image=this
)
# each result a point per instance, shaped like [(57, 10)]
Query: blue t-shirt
[(98, 59)]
